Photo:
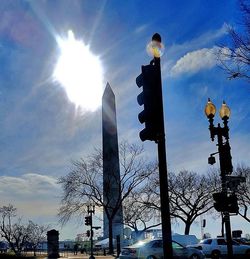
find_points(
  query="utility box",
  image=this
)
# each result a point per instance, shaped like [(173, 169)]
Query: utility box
[(53, 243)]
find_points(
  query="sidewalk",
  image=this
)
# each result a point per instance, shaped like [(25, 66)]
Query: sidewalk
[(84, 256)]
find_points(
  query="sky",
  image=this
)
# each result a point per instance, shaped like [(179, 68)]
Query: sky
[(42, 130)]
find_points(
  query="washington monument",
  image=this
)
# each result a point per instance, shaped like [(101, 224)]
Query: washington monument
[(111, 168)]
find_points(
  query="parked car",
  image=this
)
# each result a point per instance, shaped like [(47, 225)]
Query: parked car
[(3, 247), (153, 249), (242, 240), (217, 247), (185, 239)]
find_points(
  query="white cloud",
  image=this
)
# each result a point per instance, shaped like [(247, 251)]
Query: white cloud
[(177, 51), (141, 28), (28, 184), (35, 195), (195, 61)]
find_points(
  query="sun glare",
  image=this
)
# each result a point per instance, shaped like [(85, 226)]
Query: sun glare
[(80, 73)]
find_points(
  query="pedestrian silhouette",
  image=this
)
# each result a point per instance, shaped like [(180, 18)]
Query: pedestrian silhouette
[(75, 249)]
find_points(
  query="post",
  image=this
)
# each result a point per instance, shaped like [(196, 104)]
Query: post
[(226, 217), (163, 177), (225, 164), (118, 245), (91, 211)]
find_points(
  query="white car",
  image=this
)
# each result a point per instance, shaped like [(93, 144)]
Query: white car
[(153, 249), (217, 247)]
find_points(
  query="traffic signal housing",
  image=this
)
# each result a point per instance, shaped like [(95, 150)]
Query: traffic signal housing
[(233, 204), (220, 201), (224, 203), (226, 158), (88, 221), (151, 99)]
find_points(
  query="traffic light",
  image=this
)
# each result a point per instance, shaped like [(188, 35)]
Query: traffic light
[(232, 203), (88, 220), (226, 158), (224, 203), (88, 233), (151, 99), (220, 201)]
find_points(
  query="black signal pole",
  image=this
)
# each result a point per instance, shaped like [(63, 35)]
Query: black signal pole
[(163, 176), (226, 216), (153, 117), (90, 212)]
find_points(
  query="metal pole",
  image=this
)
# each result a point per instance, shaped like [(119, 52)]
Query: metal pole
[(90, 211), (226, 217), (163, 178)]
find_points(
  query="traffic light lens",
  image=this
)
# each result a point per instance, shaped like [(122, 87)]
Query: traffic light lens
[(139, 80), (141, 117), (143, 135), (140, 98)]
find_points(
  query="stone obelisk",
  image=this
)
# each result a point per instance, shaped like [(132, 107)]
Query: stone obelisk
[(111, 168)]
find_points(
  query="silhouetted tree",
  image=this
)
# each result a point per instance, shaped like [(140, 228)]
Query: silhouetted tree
[(243, 191), (137, 215), (13, 231), (36, 235), (84, 183), (235, 56), (189, 195)]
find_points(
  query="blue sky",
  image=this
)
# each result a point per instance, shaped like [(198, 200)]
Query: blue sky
[(41, 131)]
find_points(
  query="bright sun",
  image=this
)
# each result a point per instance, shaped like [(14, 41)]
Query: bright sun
[(80, 73)]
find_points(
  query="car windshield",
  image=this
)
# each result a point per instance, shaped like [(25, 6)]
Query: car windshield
[(176, 245), (142, 243), (206, 241)]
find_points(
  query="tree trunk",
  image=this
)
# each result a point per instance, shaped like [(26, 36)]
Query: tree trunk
[(111, 248), (187, 228)]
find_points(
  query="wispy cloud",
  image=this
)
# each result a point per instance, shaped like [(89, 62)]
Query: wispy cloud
[(141, 28), (206, 39), (28, 184), (35, 195), (177, 52), (195, 61)]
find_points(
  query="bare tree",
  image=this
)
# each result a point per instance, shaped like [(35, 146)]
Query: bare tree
[(243, 191), (15, 233), (190, 197), (36, 234), (138, 216), (84, 183), (235, 57)]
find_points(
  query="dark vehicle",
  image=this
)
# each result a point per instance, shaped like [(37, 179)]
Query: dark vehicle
[(3, 247)]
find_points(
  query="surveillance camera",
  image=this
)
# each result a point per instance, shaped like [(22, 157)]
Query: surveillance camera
[(211, 160)]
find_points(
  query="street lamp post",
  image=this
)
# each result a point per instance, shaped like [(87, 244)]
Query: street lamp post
[(225, 158), (91, 210)]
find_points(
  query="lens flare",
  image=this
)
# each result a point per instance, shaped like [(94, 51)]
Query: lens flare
[(80, 73), (155, 49)]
